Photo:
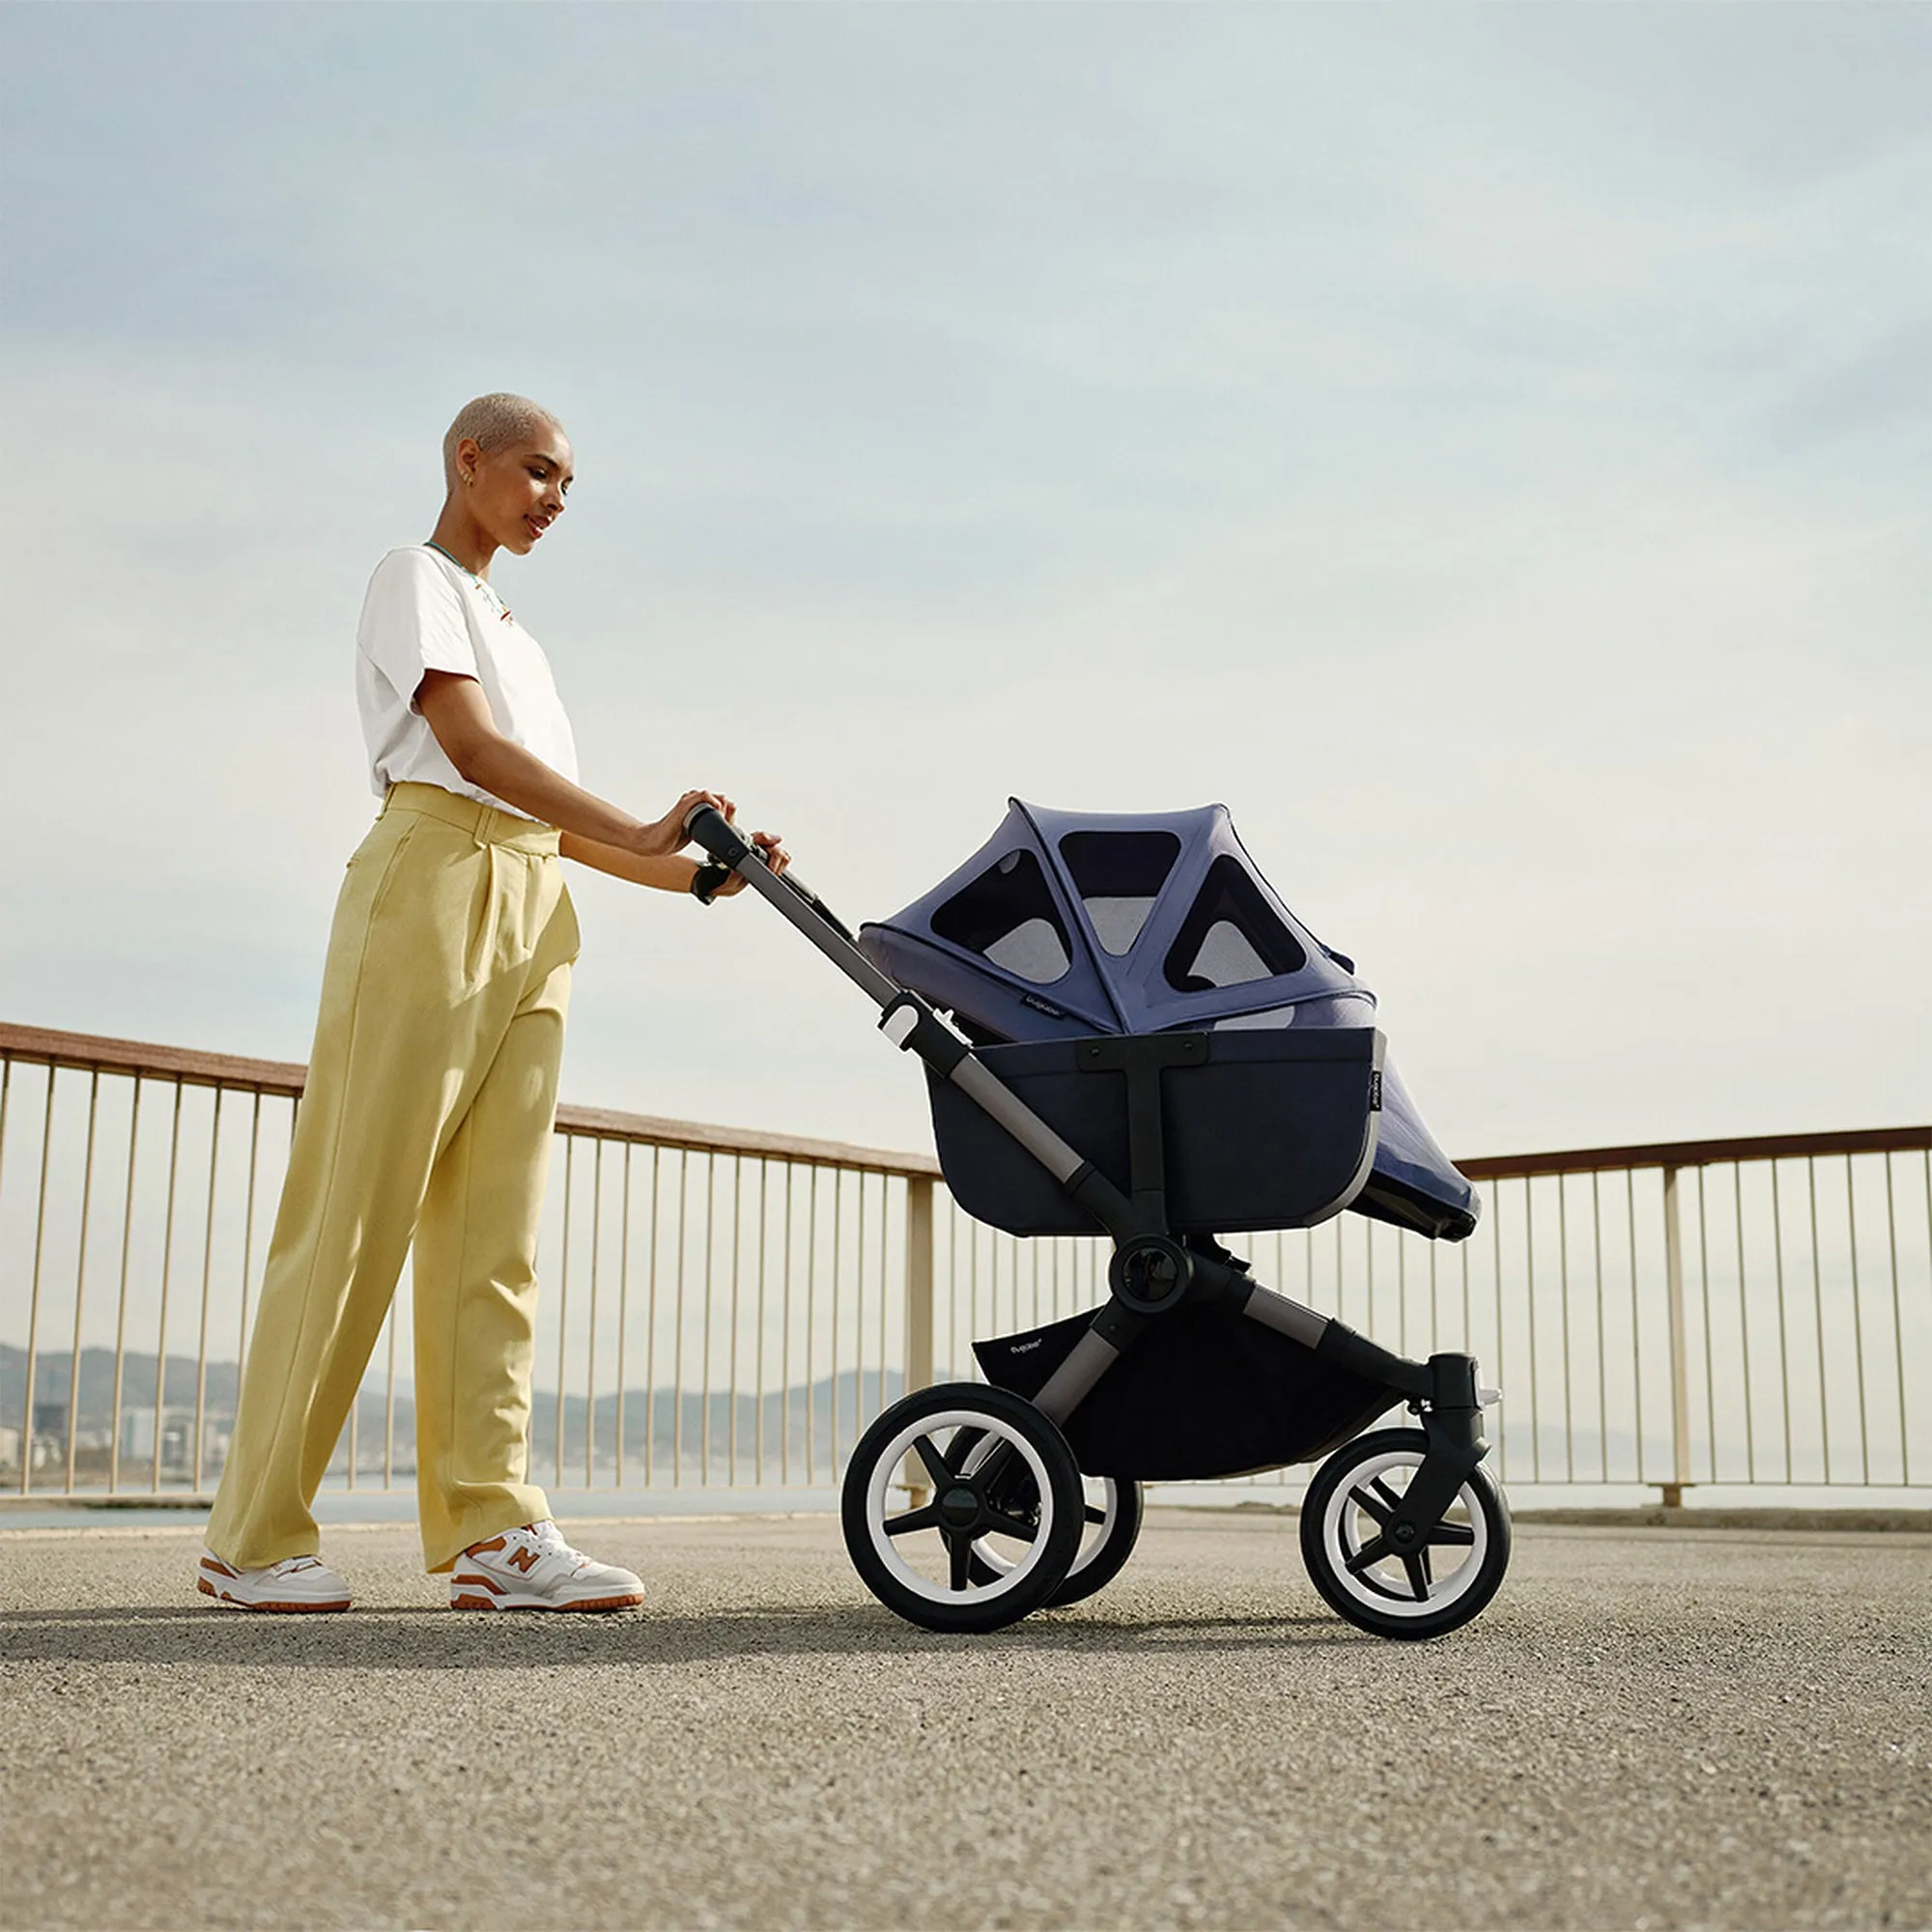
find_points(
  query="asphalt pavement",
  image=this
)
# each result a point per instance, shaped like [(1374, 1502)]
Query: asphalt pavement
[(1721, 1728)]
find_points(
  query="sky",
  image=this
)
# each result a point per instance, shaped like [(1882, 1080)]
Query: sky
[(1483, 446)]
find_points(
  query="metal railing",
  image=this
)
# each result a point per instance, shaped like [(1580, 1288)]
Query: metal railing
[(728, 1309)]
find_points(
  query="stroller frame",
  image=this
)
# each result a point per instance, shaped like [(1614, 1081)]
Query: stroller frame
[(1009, 1475)]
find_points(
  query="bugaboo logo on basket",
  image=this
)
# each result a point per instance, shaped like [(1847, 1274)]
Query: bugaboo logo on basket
[(1040, 1005)]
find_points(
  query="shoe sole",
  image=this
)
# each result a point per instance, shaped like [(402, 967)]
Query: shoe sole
[(278, 1609), (479, 1593)]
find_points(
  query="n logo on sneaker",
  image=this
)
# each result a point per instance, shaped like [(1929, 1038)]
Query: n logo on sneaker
[(526, 1560)]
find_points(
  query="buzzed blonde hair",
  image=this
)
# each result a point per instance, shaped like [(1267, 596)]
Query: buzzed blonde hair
[(494, 421)]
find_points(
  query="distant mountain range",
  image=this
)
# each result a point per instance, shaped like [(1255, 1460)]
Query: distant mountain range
[(661, 1418), (660, 1422)]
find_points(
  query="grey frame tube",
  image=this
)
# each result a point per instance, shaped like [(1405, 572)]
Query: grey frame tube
[(803, 914), (1273, 1310), (971, 1076), (992, 1096), (1072, 1381)]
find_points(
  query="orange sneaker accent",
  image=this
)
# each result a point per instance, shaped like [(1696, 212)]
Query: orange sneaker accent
[(525, 1560), (495, 1543), (278, 1609), (466, 1602), (215, 1564)]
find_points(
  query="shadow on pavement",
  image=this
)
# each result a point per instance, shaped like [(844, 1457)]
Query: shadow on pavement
[(423, 1638)]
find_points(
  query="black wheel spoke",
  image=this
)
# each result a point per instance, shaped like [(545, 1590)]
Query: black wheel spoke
[(960, 1563), (912, 1519), (1094, 1515), (999, 1524), (1368, 1556), (1378, 1507), (933, 1461), (1381, 1554)]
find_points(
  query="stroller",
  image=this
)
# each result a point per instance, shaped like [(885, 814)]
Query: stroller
[(1145, 1042)]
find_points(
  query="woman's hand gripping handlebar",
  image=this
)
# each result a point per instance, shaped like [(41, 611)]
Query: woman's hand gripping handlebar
[(729, 850)]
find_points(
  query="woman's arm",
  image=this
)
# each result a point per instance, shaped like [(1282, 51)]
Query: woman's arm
[(672, 873), (459, 714)]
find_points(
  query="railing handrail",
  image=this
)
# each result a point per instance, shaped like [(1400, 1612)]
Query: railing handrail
[(1701, 1153), (94, 1053), (602, 1124)]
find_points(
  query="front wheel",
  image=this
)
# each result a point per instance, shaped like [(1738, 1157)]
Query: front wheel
[(1418, 1593), (1005, 1515)]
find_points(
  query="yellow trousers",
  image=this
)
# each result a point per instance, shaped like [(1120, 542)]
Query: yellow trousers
[(427, 1118)]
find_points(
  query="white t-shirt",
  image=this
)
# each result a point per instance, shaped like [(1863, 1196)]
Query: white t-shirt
[(425, 613)]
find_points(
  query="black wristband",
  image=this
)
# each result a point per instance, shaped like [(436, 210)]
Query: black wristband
[(708, 880)]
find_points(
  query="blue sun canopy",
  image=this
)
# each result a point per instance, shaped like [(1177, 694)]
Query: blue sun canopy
[(1066, 923)]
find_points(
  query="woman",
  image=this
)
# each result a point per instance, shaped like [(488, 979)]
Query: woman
[(427, 1117)]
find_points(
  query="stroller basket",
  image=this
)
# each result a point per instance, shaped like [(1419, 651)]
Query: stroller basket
[(1219, 1397), (1261, 1130)]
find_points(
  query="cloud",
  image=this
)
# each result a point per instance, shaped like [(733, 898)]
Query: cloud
[(1480, 446)]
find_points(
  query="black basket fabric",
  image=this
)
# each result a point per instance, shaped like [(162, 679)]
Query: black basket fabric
[(1269, 1131), (1208, 1394)]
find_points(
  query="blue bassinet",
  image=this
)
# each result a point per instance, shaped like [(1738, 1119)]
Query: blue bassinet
[(1067, 925)]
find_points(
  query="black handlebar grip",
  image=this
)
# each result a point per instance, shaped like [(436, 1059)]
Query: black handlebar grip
[(715, 834)]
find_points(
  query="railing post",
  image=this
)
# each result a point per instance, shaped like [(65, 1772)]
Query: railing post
[(918, 1309), (1680, 1374)]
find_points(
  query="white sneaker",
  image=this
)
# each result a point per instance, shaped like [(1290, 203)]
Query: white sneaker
[(534, 1569), (297, 1583)]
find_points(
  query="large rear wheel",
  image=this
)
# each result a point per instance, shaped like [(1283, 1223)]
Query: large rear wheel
[(1005, 1518)]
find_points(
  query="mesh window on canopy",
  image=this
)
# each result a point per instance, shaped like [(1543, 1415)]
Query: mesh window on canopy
[(1118, 875), (1231, 936), (1007, 916)]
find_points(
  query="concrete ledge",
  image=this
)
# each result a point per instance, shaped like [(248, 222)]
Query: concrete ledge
[(1656, 1515), (341, 1507), (55, 1500)]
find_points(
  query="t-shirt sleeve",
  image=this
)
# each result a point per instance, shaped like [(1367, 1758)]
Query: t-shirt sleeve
[(413, 622)]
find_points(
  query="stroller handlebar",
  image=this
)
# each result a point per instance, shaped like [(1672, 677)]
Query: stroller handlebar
[(730, 851), (719, 836)]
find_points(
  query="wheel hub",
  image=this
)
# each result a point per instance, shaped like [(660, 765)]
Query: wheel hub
[(959, 1506)]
